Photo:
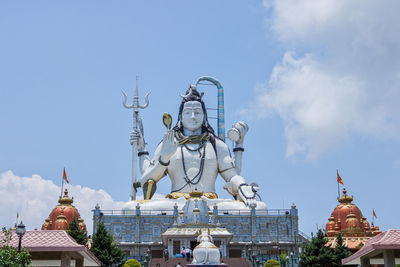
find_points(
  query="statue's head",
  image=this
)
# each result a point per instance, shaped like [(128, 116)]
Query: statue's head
[(193, 113)]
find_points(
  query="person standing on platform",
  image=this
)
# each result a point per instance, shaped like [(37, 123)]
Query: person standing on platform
[(166, 254), (183, 252), (188, 252)]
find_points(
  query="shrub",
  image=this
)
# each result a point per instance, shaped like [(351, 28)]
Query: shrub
[(132, 263), (271, 263)]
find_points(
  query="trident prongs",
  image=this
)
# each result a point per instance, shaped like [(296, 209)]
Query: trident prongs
[(146, 99)]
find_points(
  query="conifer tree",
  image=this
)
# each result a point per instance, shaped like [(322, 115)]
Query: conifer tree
[(76, 233), (316, 254), (340, 251), (104, 248)]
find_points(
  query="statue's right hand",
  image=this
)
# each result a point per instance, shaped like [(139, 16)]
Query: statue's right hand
[(136, 136), (168, 146)]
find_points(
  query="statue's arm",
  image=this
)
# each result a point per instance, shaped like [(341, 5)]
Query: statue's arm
[(226, 168), (144, 161), (235, 184), (152, 169)]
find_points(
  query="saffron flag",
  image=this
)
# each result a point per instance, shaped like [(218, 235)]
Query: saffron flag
[(65, 176), (339, 179), (373, 213)]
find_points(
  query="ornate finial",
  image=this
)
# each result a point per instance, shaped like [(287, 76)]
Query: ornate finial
[(345, 199), (97, 207), (65, 200)]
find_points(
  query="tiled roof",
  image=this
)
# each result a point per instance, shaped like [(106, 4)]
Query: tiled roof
[(50, 240), (45, 240), (389, 239)]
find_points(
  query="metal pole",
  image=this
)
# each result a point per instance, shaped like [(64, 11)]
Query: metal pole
[(133, 191), (62, 184), (19, 243)]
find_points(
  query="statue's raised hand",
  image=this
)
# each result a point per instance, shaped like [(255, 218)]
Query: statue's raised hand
[(247, 194), (137, 138), (168, 146)]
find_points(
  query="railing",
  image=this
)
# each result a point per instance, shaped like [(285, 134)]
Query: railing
[(133, 212), (305, 235), (272, 212), (221, 212)]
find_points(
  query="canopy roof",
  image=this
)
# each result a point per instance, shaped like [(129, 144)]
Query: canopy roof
[(388, 240), (51, 241)]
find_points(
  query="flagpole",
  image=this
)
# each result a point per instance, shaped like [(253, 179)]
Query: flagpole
[(373, 217), (62, 184), (338, 191)]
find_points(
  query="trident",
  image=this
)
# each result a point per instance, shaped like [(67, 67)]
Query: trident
[(134, 137)]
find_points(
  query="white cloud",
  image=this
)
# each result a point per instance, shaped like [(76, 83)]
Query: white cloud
[(345, 78), (35, 197)]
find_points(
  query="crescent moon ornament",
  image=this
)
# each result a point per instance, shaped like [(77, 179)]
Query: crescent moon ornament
[(167, 120)]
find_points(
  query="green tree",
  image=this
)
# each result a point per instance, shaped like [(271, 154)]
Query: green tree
[(271, 263), (316, 254), (340, 251), (283, 259), (77, 233), (104, 247), (9, 256)]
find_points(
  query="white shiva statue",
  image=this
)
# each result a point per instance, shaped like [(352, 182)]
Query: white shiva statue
[(205, 252), (193, 156)]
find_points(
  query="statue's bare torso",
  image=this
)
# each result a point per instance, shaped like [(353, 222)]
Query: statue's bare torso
[(203, 182)]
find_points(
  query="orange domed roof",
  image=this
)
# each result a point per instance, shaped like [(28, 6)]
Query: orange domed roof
[(63, 214), (347, 219)]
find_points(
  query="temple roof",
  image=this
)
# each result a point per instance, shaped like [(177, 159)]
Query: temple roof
[(194, 232), (348, 219), (389, 239), (61, 216), (50, 241)]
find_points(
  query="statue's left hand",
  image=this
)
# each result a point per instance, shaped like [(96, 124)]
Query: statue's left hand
[(247, 194)]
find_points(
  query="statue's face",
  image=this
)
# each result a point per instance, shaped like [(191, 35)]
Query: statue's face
[(192, 115)]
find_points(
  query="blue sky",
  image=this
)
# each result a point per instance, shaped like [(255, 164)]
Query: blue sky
[(317, 84)]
